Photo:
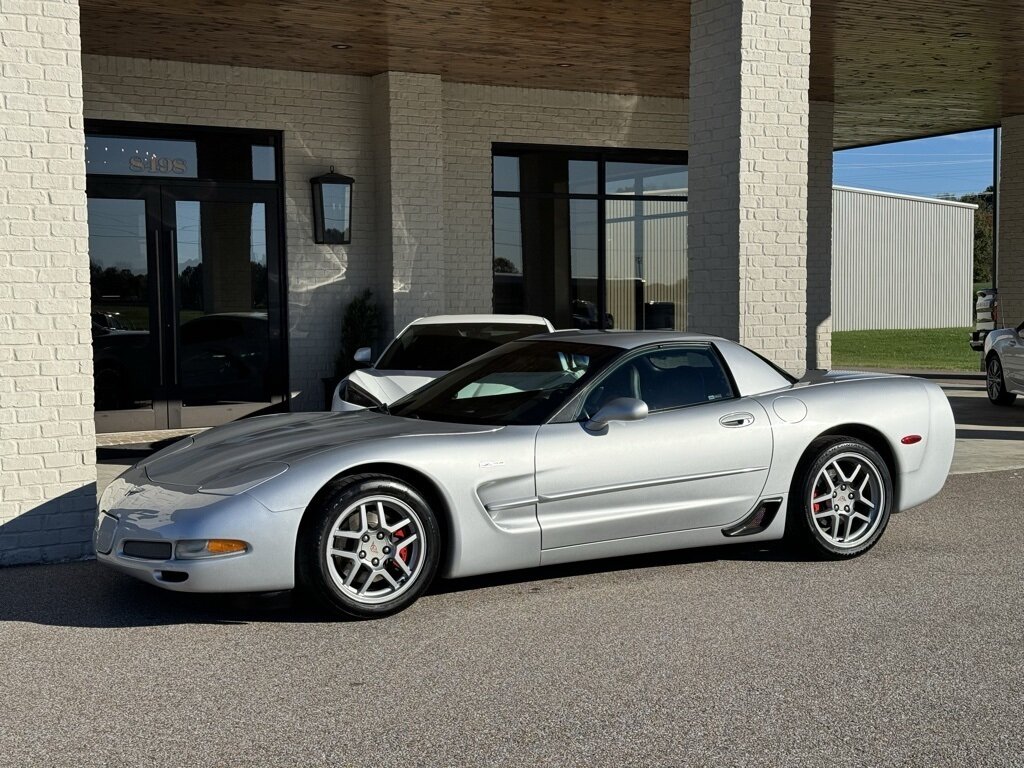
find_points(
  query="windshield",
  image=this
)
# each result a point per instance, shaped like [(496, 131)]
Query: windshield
[(522, 383), (442, 347)]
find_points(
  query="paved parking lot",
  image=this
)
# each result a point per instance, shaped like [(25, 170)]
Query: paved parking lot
[(911, 655)]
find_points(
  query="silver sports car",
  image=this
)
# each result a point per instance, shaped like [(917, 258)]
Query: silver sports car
[(561, 447)]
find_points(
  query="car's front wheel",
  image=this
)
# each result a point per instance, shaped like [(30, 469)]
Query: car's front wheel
[(995, 384), (371, 548), (841, 499)]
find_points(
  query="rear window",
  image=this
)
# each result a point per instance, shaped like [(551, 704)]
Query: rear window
[(444, 347)]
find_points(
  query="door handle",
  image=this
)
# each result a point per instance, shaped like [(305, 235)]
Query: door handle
[(737, 420)]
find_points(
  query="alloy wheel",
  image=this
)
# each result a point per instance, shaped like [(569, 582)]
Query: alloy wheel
[(376, 549), (994, 379), (847, 500)]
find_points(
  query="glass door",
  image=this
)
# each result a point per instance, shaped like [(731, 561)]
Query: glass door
[(186, 303), (225, 328), (124, 228)]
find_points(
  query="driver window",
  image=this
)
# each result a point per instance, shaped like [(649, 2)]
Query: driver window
[(664, 379)]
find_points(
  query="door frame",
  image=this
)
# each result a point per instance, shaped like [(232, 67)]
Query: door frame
[(167, 412), (200, 191)]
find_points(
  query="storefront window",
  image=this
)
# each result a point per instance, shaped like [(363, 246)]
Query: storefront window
[(591, 238)]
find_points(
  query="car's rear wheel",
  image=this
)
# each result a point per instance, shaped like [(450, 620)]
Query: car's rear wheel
[(995, 384), (371, 548), (841, 499)]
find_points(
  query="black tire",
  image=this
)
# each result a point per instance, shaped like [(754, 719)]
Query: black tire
[(815, 539), (342, 501), (995, 383)]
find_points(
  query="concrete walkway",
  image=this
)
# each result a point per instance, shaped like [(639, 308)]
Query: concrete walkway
[(989, 438)]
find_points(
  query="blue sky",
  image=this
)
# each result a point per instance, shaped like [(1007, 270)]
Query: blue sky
[(956, 164)]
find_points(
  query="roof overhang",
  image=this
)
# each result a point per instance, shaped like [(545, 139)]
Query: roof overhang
[(895, 69)]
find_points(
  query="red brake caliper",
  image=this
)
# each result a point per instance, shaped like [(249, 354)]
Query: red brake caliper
[(404, 553)]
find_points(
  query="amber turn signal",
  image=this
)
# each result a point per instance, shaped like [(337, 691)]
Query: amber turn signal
[(224, 546), (199, 548)]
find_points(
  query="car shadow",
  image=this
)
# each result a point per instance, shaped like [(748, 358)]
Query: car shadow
[(87, 594), (762, 552)]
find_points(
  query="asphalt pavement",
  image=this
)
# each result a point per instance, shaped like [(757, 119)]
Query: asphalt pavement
[(910, 655)]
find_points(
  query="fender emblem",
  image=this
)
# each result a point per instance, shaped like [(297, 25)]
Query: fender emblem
[(487, 464)]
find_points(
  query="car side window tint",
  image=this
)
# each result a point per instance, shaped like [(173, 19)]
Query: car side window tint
[(673, 378)]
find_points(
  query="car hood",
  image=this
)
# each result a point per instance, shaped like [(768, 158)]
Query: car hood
[(389, 386), (237, 456)]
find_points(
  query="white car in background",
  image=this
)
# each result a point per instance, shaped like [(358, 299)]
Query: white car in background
[(426, 349), (1004, 364)]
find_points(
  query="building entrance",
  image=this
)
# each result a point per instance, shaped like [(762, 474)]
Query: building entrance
[(186, 280)]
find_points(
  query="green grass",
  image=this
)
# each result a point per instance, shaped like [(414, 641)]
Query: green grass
[(941, 349)]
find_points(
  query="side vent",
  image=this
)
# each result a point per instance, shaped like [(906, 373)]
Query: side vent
[(757, 521)]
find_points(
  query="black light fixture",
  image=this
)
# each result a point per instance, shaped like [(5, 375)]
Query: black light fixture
[(332, 208)]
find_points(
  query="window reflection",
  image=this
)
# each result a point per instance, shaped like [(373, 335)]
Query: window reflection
[(646, 179), (222, 302), (336, 213), (646, 257), (140, 156), (263, 164), (549, 239), (119, 278), (508, 256)]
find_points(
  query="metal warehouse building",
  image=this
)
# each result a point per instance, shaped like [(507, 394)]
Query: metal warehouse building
[(629, 163), (900, 261)]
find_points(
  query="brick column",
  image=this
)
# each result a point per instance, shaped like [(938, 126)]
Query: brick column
[(407, 114), (1010, 279), (47, 443), (749, 67), (819, 236)]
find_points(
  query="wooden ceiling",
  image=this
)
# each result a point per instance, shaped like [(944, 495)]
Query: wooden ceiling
[(895, 68)]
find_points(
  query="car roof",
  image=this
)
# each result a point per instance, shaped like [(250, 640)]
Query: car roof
[(480, 320), (624, 339)]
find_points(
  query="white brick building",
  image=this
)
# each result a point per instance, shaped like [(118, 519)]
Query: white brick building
[(671, 167)]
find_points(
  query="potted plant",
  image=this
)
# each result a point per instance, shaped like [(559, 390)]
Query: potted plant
[(359, 328)]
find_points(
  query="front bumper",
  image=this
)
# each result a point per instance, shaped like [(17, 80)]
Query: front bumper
[(153, 513)]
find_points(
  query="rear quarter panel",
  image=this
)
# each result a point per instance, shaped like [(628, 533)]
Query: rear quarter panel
[(892, 407)]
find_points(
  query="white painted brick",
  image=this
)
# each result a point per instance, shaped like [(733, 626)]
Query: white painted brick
[(819, 235), (1010, 279), (43, 281), (747, 176)]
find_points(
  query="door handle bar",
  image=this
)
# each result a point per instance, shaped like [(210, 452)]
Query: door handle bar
[(737, 420)]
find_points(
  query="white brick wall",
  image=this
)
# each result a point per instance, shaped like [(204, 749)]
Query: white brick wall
[(325, 121), (407, 111), (749, 67), (423, 188), (47, 471), (1011, 222), (477, 115), (819, 235)]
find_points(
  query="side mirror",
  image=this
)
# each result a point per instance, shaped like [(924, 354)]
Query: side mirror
[(362, 356), (619, 409)]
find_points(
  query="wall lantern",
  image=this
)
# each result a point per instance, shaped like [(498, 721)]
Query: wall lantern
[(332, 208)]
